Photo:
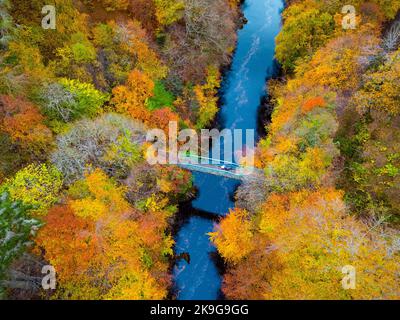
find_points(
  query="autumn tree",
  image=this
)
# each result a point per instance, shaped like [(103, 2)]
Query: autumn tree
[(24, 123), (206, 36), (169, 11), (36, 186), (300, 147), (145, 180), (73, 252), (101, 192), (28, 57), (372, 173), (6, 23), (131, 98), (305, 29), (204, 21), (69, 100), (162, 117), (341, 62), (74, 58), (207, 99), (250, 278), (381, 88), (233, 236), (69, 21), (133, 40), (111, 142), (112, 5)]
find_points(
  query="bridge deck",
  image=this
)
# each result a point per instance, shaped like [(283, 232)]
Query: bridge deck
[(214, 167)]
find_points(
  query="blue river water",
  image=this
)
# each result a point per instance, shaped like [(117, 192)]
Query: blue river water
[(243, 87)]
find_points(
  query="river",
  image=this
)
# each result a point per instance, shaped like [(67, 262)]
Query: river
[(241, 92)]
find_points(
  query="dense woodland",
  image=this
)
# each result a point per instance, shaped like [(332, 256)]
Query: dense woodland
[(75, 104), (331, 161), (77, 193)]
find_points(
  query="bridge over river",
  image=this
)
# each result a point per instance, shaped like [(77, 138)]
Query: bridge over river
[(219, 167)]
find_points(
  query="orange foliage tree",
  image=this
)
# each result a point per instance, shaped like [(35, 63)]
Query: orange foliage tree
[(131, 98), (23, 122), (134, 40), (312, 103)]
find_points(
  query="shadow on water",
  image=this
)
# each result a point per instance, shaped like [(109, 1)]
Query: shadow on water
[(198, 269), (265, 109)]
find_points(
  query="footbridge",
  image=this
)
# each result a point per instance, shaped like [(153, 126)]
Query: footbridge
[(218, 167)]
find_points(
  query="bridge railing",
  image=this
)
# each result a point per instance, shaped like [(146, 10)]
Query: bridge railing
[(209, 161)]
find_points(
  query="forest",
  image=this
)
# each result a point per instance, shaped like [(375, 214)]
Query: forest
[(331, 161), (77, 193), (75, 103)]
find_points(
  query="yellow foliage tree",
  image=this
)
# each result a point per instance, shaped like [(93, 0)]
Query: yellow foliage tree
[(381, 90), (168, 11), (233, 236), (206, 96), (105, 198), (316, 239), (35, 185)]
